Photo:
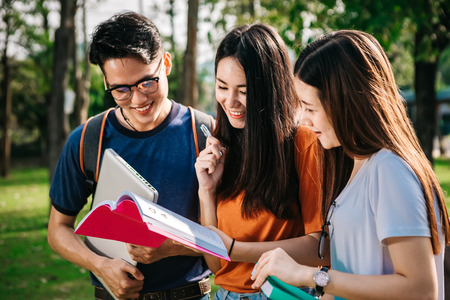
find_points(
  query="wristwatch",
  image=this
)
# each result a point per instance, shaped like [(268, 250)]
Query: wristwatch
[(321, 279)]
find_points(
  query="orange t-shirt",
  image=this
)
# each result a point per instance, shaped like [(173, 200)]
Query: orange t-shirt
[(235, 276)]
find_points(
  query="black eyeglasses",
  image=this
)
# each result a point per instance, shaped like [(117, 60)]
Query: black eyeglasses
[(146, 86), (323, 249)]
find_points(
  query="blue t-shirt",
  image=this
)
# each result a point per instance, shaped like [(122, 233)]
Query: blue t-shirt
[(165, 157)]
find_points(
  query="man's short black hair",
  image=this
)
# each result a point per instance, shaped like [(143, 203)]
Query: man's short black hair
[(126, 34)]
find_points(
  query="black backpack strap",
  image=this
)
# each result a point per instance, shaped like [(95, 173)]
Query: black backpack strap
[(199, 118), (91, 148)]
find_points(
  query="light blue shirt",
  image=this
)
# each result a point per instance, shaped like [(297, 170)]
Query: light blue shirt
[(383, 200)]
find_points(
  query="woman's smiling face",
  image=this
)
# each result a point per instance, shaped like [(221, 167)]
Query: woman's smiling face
[(314, 115), (231, 90)]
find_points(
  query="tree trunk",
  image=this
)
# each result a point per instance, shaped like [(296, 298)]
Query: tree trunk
[(7, 98), (87, 70), (430, 40), (57, 121), (176, 84), (172, 26), (248, 8), (424, 86), (44, 69), (78, 80), (447, 272), (190, 88), (82, 80)]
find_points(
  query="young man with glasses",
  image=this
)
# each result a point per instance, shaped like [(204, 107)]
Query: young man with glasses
[(154, 135)]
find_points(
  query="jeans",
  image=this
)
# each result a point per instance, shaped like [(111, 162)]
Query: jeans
[(223, 294), (204, 297)]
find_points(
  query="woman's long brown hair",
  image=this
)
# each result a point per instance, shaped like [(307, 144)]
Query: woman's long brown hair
[(359, 94), (260, 157)]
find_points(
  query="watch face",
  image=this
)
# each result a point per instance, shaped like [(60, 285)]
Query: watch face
[(321, 278)]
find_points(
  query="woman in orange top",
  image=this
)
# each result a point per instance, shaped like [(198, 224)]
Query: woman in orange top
[(258, 176)]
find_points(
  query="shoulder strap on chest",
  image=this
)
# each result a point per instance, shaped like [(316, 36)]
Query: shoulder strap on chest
[(92, 138), (91, 147), (198, 118)]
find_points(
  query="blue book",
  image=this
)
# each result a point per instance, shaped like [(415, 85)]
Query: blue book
[(276, 289)]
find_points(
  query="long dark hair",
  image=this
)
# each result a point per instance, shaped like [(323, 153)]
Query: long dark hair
[(260, 157), (360, 97)]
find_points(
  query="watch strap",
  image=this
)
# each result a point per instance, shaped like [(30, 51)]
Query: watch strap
[(319, 289)]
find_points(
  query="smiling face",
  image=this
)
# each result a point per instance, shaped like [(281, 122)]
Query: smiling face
[(231, 90), (145, 112), (314, 116)]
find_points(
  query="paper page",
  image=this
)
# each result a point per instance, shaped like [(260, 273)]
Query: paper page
[(180, 226)]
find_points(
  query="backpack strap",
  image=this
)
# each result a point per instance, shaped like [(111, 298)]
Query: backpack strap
[(92, 138), (198, 118), (91, 147)]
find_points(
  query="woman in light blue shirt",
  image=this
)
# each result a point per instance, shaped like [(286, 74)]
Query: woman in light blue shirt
[(384, 211)]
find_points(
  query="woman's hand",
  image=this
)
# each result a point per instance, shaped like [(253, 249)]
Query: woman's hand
[(227, 241), (209, 165), (213, 262), (279, 264)]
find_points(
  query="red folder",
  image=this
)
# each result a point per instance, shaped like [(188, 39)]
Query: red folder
[(132, 219)]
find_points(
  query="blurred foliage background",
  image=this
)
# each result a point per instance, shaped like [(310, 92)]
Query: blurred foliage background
[(48, 90)]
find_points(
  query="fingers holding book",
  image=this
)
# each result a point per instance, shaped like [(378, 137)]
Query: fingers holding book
[(122, 279), (148, 255), (279, 264)]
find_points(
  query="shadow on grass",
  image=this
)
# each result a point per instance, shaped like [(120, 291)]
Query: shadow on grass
[(19, 223), (26, 177)]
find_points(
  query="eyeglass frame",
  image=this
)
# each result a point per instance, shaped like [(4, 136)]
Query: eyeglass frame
[(321, 251), (155, 79)]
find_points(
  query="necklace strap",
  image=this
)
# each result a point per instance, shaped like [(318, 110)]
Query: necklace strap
[(126, 119)]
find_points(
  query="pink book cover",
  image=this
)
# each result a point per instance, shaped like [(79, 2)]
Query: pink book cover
[(132, 219)]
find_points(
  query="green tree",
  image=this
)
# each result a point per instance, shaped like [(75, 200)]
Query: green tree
[(82, 73), (24, 82), (57, 123), (11, 22), (444, 69), (169, 9), (183, 81), (427, 23), (31, 82), (189, 83)]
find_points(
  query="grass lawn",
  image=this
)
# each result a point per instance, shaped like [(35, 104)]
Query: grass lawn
[(30, 268)]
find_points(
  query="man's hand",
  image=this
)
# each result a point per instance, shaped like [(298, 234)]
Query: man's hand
[(148, 255), (115, 272), (123, 279)]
